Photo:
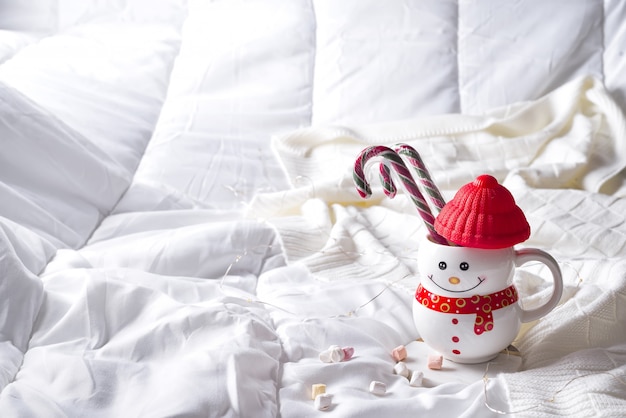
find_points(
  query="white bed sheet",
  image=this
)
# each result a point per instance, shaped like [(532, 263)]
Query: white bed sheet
[(164, 260)]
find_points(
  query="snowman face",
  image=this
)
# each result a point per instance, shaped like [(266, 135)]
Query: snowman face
[(456, 278), (462, 271)]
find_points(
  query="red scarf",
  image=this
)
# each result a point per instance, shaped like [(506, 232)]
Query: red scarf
[(481, 305)]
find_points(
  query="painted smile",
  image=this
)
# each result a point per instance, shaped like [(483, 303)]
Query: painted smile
[(480, 280)]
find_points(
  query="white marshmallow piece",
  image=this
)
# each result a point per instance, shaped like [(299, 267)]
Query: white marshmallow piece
[(378, 388), (401, 369), (325, 356), (334, 354), (417, 378), (323, 401), (337, 354)]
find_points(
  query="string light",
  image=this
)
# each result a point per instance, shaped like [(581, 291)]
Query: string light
[(233, 292), (305, 182)]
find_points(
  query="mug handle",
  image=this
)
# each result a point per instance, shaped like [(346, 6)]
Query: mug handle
[(526, 255)]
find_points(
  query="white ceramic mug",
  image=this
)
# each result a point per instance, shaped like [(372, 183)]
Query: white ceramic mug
[(466, 306)]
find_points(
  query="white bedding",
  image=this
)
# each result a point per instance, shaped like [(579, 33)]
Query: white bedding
[(179, 230)]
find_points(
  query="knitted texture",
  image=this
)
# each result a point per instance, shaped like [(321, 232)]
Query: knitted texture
[(483, 214)]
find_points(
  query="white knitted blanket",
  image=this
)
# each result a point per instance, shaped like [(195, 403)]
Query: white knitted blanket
[(562, 156)]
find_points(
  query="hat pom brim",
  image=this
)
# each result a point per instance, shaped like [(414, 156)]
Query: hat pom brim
[(481, 231), (483, 214)]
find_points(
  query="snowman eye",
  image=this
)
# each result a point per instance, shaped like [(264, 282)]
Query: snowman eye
[(442, 265), (464, 266)]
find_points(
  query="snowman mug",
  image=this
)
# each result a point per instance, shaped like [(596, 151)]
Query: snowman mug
[(466, 306)]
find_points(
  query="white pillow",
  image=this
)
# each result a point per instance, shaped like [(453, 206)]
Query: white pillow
[(52, 182), (106, 80), (380, 61), (50, 16), (31, 15), (244, 73), (511, 54)]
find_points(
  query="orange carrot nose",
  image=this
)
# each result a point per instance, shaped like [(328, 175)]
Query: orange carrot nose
[(454, 280)]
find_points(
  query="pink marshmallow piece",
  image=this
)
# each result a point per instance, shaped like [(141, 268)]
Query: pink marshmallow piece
[(399, 353), (348, 352), (435, 361)]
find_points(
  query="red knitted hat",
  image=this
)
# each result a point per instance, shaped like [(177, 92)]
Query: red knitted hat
[(483, 214)]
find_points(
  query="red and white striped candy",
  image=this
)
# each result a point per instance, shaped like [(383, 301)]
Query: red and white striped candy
[(392, 160)]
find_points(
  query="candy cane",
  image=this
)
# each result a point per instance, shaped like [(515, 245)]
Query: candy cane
[(385, 179), (364, 158), (391, 159), (422, 172)]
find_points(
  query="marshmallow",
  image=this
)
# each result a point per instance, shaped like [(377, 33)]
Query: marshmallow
[(334, 354), (323, 401), (399, 353), (401, 369), (417, 378), (317, 389), (435, 361), (348, 352), (378, 388)]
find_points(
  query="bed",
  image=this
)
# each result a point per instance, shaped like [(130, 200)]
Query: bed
[(180, 233)]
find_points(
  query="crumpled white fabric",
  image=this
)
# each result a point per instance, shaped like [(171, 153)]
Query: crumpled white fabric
[(22, 255)]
